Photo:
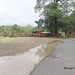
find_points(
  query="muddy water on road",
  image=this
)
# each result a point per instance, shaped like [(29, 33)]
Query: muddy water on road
[(62, 61), (21, 64)]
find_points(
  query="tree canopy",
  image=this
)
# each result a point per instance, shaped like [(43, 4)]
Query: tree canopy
[(58, 15)]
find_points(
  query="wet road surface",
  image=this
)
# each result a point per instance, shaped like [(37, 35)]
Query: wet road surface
[(62, 61)]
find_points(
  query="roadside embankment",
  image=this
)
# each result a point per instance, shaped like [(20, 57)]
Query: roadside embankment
[(48, 47)]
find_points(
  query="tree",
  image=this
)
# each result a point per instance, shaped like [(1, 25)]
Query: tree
[(51, 13), (54, 11), (72, 21), (40, 22)]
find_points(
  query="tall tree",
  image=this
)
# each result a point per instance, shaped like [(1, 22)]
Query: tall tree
[(54, 12), (50, 12)]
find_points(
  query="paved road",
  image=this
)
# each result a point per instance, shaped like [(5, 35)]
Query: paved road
[(62, 61)]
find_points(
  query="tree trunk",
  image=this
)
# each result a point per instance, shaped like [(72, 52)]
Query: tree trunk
[(55, 27)]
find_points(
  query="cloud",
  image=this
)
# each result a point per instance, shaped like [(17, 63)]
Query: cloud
[(17, 11)]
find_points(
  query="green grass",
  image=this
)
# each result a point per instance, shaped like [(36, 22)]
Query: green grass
[(7, 39)]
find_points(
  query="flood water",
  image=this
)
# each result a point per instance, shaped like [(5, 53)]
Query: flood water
[(21, 64), (61, 62)]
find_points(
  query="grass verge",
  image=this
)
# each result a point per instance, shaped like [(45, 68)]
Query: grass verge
[(46, 49), (8, 39)]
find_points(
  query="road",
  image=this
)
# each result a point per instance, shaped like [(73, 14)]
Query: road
[(61, 62)]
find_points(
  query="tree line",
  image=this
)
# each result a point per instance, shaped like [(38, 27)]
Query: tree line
[(15, 30), (57, 16)]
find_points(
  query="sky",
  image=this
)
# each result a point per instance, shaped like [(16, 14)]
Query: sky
[(19, 12)]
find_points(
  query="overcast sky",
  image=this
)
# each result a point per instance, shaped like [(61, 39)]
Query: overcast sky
[(19, 12)]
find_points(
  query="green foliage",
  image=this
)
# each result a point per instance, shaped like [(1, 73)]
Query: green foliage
[(40, 22), (15, 30), (52, 11), (57, 15)]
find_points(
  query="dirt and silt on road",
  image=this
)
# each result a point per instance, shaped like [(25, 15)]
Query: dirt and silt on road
[(21, 64), (21, 45)]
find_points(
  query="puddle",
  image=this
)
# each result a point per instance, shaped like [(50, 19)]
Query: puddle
[(21, 64)]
